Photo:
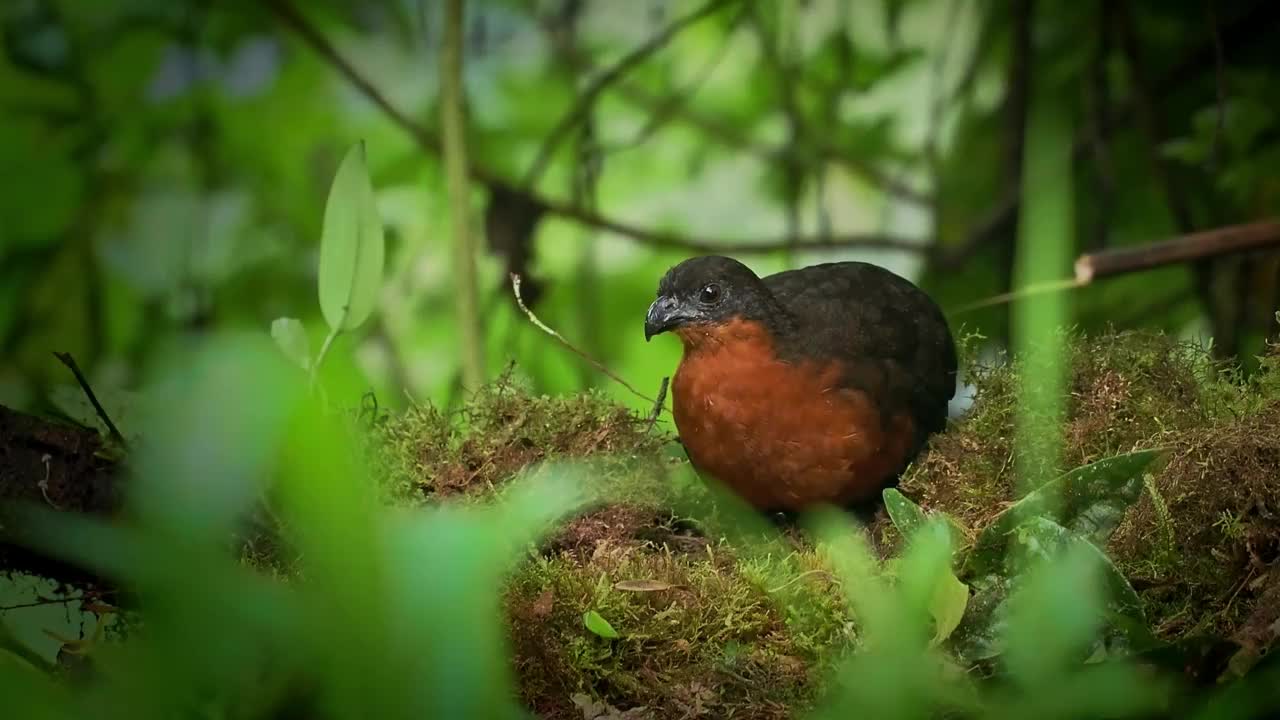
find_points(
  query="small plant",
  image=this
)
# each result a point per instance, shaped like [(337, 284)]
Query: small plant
[(352, 248)]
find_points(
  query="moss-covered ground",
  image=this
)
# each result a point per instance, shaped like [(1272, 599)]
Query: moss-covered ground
[(706, 630)]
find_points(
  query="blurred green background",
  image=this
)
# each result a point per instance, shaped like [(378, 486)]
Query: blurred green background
[(164, 167)]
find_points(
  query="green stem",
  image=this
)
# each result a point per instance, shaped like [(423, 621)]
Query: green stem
[(324, 350), (453, 131)]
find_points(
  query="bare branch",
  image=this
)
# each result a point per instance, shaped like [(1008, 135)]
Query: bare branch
[(1184, 248), (430, 142), (582, 105)]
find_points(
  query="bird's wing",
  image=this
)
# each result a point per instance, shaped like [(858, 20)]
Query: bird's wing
[(891, 338)]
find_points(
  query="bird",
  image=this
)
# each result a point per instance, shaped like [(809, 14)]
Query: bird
[(811, 386)]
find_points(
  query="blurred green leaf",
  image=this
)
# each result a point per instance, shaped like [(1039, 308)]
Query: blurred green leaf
[(950, 600), (1089, 500), (352, 246), (291, 338), (598, 625)]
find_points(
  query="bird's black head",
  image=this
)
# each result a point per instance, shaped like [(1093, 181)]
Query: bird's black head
[(708, 291)]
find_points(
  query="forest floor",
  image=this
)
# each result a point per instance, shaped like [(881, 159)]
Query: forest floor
[(705, 629)]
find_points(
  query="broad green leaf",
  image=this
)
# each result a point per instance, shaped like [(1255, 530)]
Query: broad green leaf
[(950, 600), (291, 338), (598, 625), (1040, 543), (906, 515), (352, 246), (1088, 501)]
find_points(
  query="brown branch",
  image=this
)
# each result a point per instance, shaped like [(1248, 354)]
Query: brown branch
[(582, 105), (676, 241), (1183, 248), (70, 362), (429, 142), (1253, 24)]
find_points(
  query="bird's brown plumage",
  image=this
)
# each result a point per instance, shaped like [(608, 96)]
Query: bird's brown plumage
[(816, 385)]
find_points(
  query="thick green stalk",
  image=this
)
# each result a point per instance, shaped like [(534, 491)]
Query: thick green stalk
[(453, 134)]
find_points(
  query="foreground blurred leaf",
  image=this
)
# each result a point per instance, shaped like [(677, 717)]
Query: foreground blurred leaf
[(950, 600), (352, 246), (1042, 542), (1089, 501)]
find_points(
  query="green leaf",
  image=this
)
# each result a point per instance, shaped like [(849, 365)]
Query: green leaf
[(291, 338), (598, 625), (352, 246), (950, 600), (1088, 501), (906, 515), (1041, 543)]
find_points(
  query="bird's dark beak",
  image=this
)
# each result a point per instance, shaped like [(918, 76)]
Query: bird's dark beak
[(664, 314)]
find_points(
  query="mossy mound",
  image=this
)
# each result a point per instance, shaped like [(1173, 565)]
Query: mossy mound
[(1209, 521), (708, 631), (503, 430)]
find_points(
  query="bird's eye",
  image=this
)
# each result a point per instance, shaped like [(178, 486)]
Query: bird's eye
[(709, 294)]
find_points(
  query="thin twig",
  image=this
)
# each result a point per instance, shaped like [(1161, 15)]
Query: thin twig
[(515, 289), (582, 105), (70, 362), (659, 401), (670, 105), (1021, 293)]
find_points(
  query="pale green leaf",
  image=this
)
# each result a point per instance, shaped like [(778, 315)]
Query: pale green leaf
[(598, 625), (352, 246), (906, 515), (950, 600), (291, 338)]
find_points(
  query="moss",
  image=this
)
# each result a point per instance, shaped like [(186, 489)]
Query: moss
[(1210, 517), (504, 429), (717, 634), (703, 636)]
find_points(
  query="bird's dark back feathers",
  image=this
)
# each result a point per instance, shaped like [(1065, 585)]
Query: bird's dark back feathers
[(890, 336)]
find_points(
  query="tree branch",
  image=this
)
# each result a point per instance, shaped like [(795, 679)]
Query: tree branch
[(582, 105), (1183, 248), (430, 142)]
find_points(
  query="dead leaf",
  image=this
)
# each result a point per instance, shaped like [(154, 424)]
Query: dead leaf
[(599, 710), (542, 606), (643, 585)]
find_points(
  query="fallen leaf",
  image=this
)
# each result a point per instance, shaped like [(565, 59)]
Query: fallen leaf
[(542, 606), (642, 585)]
